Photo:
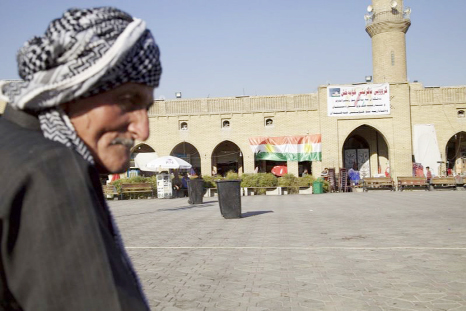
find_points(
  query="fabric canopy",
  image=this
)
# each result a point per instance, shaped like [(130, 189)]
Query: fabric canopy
[(287, 148), (141, 160), (168, 162), (425, 147)]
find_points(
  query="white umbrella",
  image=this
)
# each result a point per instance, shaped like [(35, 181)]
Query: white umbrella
[(169, 162), (141, 159)]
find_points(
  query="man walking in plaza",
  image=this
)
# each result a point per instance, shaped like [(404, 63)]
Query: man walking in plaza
[(87, 85)]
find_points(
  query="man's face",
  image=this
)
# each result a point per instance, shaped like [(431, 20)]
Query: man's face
[(110, 122)]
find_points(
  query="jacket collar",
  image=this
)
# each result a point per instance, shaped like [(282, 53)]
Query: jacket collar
[(22, 118)]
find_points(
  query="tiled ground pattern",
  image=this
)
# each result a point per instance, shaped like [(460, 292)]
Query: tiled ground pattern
[(343, 251)]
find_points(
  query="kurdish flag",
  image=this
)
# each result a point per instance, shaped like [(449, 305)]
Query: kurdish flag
[(287, 148)]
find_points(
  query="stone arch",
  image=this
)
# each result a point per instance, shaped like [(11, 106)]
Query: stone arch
[(142, 148), (455, 152), (366, 149), (227, 156), (189, 153)]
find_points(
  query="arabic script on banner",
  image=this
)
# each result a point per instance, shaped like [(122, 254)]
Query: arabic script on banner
[(356, 100)]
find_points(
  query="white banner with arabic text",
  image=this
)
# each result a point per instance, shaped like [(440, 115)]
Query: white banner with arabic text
[(356, 100)]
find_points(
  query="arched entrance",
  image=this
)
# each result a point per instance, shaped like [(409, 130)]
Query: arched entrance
[(227, 156), (189, 153), (456, 154), (366, 150)]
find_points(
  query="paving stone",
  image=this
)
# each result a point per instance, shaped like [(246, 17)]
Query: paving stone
[(372, 251)]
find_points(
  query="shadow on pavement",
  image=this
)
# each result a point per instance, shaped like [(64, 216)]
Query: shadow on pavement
[(202, 205), (250, 214)]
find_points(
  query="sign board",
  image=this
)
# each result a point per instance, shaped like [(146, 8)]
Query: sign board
[(357, 100), (164, 186)]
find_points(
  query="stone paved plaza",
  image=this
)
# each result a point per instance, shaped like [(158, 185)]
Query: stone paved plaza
[(342, 251)]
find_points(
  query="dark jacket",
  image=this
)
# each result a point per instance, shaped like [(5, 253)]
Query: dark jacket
[(57, 249)]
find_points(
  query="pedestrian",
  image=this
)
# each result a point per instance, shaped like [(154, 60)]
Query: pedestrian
[(428, 174), (184, 184), (87, 84), (176, 185)]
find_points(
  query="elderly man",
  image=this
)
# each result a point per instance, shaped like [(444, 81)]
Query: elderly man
[(87, 85)]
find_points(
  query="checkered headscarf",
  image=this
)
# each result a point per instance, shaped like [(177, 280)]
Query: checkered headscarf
[(83, 53)]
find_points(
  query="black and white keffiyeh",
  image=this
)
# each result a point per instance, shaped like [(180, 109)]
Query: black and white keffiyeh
[(83, 53)]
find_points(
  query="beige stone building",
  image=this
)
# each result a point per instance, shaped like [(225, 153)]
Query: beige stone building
[(213, 133), (379, 126)]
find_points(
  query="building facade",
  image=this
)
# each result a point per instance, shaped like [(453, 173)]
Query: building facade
[(213, 133), (382, 126)]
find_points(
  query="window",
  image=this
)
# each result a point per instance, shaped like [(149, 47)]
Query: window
[(268, 121), (183, 125), (225, 123), (460, 113)]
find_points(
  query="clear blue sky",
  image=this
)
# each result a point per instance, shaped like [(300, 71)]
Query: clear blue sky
[(257, 47)]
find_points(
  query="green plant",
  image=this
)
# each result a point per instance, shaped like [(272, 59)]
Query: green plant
[(209, 181), (153, 181), (267, 180), (137, 179), (290, 182), (249, 180), (306, 181), (231, 175), (259, 180)]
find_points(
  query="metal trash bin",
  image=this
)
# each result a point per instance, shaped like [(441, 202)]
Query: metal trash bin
[(317, 187), (195, 190), (229, 198)]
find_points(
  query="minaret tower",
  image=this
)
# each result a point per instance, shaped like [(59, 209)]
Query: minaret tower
[(387, 22)]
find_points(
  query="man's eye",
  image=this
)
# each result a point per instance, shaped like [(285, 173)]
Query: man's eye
[(126, 105), (130, 105)]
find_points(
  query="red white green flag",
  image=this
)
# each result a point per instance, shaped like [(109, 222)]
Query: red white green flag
[(287, 148)]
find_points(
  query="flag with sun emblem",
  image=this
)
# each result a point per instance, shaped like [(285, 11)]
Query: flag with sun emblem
[(287, 148)]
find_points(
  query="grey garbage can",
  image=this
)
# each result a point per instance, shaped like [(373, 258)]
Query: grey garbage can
[(229, 198), (195, 190)]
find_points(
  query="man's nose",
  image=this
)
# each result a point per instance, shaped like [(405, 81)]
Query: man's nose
[(139, 126)]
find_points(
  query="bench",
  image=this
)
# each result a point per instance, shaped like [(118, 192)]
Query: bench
[(442, 182), (305, 190), (460, 182), (110, 191), (210, 192), (247, 191), (412, 182), (378, 183), (136, 189)]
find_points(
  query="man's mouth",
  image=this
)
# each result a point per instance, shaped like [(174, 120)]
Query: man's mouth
[(127, 142)]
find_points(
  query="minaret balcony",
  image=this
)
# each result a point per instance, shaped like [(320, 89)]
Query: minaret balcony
[(387, 21), (388, 16)]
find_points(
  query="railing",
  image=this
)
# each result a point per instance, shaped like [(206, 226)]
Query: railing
[(244, 104), (388, 16), (439, 95)]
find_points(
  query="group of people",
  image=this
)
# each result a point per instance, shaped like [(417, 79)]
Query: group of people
[(180, 186), (86, 87)]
